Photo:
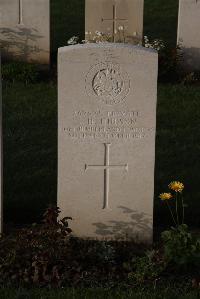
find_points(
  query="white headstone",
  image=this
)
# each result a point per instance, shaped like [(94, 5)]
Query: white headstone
[(188, 33), (25, 30), (106, 139), (121, 20)]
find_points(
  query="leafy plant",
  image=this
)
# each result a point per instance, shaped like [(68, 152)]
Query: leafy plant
[(148, 267), (191, 78), (170, 69), (180, 247), (36, 255), (102, 252), (120, 36), (169, 59)]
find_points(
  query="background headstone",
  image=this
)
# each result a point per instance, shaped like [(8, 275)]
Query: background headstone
[(25, 30), (120, 19), (188, 33), (106, 139)]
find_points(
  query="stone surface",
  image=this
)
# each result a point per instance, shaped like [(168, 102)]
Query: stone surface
[(1, 154), (25, 30), (106, 139), (108, 16), (188, 32)]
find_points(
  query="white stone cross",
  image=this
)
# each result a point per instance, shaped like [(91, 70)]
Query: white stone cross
[(106, 167), (20, 22), (114, 21)]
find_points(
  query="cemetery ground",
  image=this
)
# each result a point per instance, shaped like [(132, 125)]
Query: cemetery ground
[(140, 293), (30, 127), (94, 270)]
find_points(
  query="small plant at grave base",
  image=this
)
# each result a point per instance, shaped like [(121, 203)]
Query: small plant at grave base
[(146, 268), (103, 252), (191, 78), (169, 60), (179, 214), (102, 37), (156, 44), (119, 36), (36, 255), (180, 247), (73, 40), (97, 37)]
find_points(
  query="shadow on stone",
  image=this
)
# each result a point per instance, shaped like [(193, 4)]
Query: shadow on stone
[(191, 59), (138, 224), (20, 44)]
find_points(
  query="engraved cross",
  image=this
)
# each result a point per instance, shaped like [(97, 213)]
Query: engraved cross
[(106, 167), (20, 21), (114, 22)]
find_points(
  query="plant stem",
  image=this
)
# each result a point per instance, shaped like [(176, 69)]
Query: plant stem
[(183, 209), (177, 218), (171, 212)]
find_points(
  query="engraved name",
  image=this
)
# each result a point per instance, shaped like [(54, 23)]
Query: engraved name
[(106, 125)]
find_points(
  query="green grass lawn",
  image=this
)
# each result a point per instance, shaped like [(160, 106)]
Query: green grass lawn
[(30, 148), (178, 145), (67, 20), (167, 293), (30, 145), (160, 19)]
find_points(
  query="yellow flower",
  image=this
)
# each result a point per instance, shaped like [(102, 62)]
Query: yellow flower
[(165, 196), (176, 186)]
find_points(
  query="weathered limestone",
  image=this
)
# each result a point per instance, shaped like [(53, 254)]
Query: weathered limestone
[(25, 30), (188, 33), (121, 20), (106, 139)]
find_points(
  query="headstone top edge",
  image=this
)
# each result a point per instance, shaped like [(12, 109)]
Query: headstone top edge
[(189, 1), (106, 46)]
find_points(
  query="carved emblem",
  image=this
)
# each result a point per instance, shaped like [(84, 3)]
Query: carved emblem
[(108, 83)]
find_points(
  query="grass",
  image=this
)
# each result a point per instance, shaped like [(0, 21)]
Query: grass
[(178, 146), (67, 20), (30, 148), (166, 293), (30, 138), (160, 19)]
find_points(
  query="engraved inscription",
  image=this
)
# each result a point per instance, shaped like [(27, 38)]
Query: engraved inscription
[(106, 167), (104, 126), (108, 83)]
